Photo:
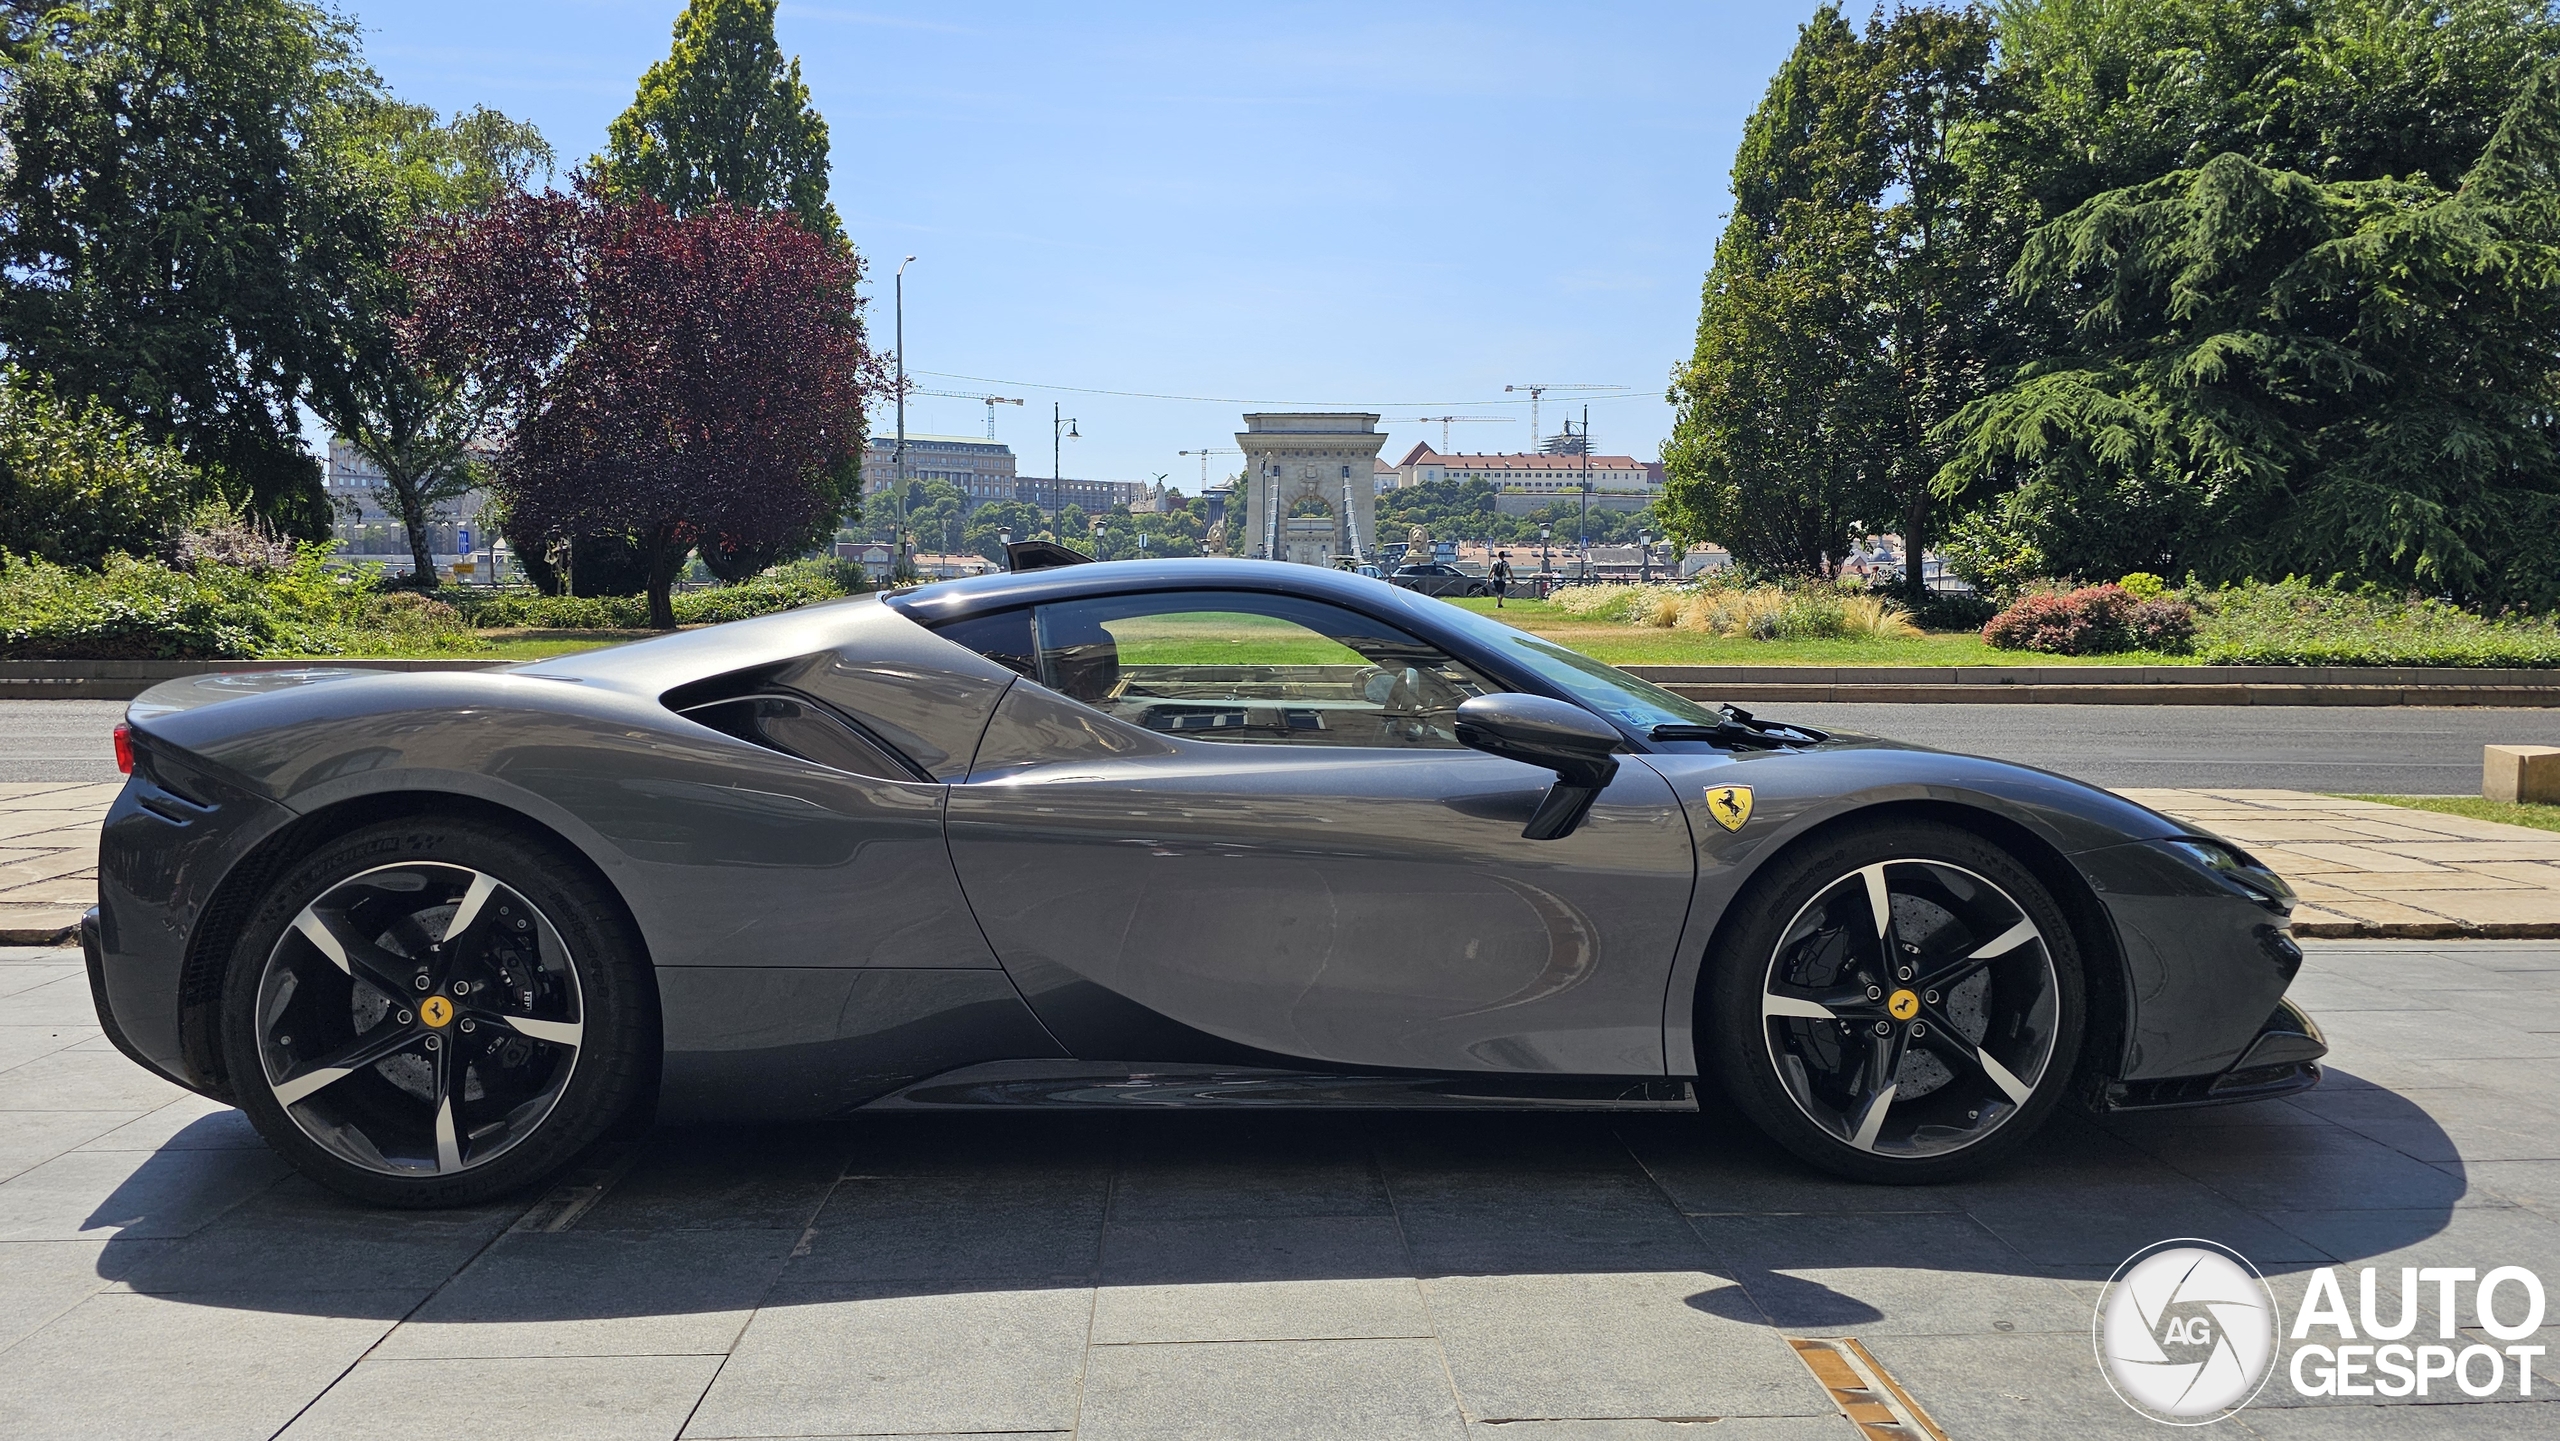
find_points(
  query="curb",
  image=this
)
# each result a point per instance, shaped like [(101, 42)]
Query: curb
[(25, 936), (2427, 931)]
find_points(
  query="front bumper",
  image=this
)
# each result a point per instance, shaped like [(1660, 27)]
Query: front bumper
[(2282, 1060)]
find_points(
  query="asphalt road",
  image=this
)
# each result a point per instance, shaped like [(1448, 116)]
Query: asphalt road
[(2385, 750), (58, 740), (2398, 750)]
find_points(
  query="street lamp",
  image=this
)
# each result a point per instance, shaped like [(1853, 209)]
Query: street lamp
[(1644, 556), (1004, 542), (1544, 532), (901, 481), (1057, 448)]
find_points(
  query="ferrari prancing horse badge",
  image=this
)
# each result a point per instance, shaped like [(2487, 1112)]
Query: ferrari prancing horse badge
[(1730, 805)]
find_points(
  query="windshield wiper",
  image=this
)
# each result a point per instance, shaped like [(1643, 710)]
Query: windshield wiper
[(1739, 728)]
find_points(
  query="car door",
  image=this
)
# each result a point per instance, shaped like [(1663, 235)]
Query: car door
[(1232, 825)]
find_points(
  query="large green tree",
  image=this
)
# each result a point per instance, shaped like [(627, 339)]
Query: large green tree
[(724, 117), (1781, 445), (2270, 372), (180, 230), (421, 431)]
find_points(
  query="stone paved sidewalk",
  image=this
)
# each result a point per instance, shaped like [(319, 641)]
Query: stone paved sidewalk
[(49, 857), (1249, 1275), (2368, 869)]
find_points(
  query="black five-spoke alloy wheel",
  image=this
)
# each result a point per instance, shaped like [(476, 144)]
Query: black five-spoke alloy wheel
[(1903, 1003), (431, 1014)]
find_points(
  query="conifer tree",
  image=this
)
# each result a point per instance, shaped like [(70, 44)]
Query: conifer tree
[(724, 117)]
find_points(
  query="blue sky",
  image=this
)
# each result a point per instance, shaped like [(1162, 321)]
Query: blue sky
[(1396, 207)]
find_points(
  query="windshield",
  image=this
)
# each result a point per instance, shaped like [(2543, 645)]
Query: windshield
[(1606, 689)]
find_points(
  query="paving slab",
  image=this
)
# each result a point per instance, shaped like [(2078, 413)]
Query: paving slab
[(884, 1358), (552, 1398), (1392, 1390), (206, 1367)]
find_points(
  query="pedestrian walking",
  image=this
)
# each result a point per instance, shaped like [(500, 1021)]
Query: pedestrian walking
[(1501, 578)]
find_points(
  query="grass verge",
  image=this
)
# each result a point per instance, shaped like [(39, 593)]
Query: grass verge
[(2478, 808)]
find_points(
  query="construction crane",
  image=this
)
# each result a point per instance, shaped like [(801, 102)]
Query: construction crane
[(1204, 461), (1535, 391), (1445, 421), (989, 401)]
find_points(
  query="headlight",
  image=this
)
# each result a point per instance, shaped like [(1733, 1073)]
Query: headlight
[(2252, 879)]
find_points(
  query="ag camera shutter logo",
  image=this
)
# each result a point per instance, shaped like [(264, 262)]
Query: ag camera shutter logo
[(2186, 1331)]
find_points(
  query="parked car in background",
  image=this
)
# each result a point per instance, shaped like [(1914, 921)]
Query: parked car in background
[(1440, 580)]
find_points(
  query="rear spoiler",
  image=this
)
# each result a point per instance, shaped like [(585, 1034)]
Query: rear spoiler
[(1024, 555)]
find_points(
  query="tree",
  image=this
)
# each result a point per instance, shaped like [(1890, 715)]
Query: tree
[(2277, 373), (78, 483), (179, 232), (723, 118), (1942, 242), (419, 431), (1786, 411), (662, 377)]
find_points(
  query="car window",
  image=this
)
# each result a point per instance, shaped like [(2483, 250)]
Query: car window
[(1264, 669), (1004, 637)]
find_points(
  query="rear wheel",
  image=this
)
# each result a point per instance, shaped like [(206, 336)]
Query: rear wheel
[(1902, 1003), (430, 1013)]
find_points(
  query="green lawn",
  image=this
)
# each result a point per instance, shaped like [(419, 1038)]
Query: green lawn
[(1638, 645), (2505, 813)]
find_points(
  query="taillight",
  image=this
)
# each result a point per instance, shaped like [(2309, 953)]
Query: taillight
[(124, 749)]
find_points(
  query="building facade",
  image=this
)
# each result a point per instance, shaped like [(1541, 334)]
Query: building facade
[(980, 469), (1323, 464), (366, 526), (1538, 474)]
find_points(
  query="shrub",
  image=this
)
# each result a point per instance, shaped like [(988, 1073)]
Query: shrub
[(2087, 621), (782, 588), (2143, 585), (144, 609), (78, 483), (228, 537), (559, 612), (2294, 622), (2162, 625)]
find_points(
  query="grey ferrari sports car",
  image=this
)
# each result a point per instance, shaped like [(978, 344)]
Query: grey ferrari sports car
[(1138, 834)]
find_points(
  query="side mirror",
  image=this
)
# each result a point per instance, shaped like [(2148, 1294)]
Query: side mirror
[(1566, 739)]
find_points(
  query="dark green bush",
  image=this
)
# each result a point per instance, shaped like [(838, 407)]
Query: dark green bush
[(142, 609), (78, 483)]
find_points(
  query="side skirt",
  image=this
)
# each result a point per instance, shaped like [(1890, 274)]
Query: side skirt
[(1088, 1085)]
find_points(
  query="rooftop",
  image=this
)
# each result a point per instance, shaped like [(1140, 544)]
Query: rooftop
[(1490, 460)]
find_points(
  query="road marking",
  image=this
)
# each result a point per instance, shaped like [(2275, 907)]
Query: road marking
[(1872, 1400)]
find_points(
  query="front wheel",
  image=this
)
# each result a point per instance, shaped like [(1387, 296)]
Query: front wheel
[(434, 1013), (1900, 1002)]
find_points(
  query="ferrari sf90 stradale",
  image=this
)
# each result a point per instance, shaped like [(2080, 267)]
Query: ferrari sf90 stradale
[(1143, 834)]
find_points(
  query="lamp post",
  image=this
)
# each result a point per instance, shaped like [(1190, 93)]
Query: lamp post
[(1644, 557), (1544, 532), (1057, 450), (1582, 536), (1004, 542), (901, 461)]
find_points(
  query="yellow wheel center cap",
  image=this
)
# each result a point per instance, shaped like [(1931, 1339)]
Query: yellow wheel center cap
[(1903, 1004), (436, 1010)]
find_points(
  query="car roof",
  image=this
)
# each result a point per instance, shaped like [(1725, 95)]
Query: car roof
[(951, 599)]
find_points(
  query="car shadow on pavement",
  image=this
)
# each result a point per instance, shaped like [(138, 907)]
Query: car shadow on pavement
[(1184, 1217)]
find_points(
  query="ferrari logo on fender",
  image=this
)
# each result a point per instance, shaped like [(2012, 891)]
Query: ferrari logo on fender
[(1730, 805), (435, 1010), (1903, 1005)]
